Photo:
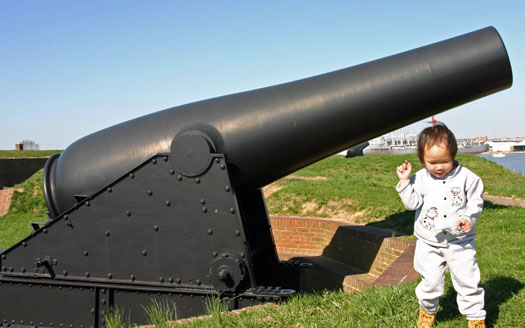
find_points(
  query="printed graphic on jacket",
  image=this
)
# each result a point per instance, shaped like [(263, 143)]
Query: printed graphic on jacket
[(456, 198), (428, 221)]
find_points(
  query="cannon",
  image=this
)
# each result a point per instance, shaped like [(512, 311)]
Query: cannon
[(169, 206)]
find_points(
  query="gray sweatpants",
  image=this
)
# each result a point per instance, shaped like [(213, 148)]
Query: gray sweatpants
[(430, 262)]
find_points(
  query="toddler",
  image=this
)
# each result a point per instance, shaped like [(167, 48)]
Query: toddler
[(447, 199)]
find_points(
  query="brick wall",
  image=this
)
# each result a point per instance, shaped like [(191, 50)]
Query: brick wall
[(366, 248), (5, 200)]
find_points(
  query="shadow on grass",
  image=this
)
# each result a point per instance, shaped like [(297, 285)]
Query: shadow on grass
[(497, 291), (492, 206), (402, 222)]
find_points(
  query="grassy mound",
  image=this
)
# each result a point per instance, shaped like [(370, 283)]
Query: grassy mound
[(26, 207)]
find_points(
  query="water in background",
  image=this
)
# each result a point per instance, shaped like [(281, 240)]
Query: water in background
[(514, 162)]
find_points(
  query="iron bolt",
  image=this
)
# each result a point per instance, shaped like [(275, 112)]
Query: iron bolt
[(128, 213), (210, 232), (165, 158), (227, 188), (168, 203), (197, 180), (144, 252), (154, 161), (155, 228), (106, 233), (131, 175), (172, 172), (109, 189), (150, 192), (223, 275), (203, 201)]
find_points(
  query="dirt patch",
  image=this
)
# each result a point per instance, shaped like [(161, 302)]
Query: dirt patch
[(341, 210), (318, 178), (308, 207), (270, 189), (338, 210), (274, 187), (505, 201)]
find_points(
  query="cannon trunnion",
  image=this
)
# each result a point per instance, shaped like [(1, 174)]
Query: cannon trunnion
[(169, 206)]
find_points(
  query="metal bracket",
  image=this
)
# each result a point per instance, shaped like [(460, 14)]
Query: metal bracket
[(37, 225), (47, 262)]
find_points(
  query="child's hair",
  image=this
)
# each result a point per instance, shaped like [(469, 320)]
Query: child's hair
[(435, 135)]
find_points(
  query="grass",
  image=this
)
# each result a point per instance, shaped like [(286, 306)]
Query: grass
[(26, 207), (160, 314), (216, 309), (363, 185), (27, 153), (115, 319)]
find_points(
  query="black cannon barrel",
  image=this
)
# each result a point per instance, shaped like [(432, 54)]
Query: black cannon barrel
[(271, 132)]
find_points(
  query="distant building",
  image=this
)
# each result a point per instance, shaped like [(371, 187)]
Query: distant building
[(506, 145)]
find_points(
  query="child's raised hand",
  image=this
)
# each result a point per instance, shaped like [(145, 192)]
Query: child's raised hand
[(404, 170)]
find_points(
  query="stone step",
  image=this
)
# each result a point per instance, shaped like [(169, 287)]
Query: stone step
[(330, 274)]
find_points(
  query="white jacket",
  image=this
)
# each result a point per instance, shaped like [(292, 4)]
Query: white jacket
[(440, 203)]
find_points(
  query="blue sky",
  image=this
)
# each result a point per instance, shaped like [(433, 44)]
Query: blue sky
[(71, 68)]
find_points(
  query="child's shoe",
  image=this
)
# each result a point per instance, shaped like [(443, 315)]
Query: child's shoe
[(426, 320), (476, 324)]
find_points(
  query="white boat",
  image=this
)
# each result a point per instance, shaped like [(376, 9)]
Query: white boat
[(498, 155)]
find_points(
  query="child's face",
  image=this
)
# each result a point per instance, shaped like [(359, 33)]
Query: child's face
[(438, 160)]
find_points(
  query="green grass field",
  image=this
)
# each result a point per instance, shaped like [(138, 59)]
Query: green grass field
[(27, 153), (362, 190)]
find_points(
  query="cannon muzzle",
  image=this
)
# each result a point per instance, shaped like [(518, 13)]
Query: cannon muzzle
[(271, 132), (168, 206)]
